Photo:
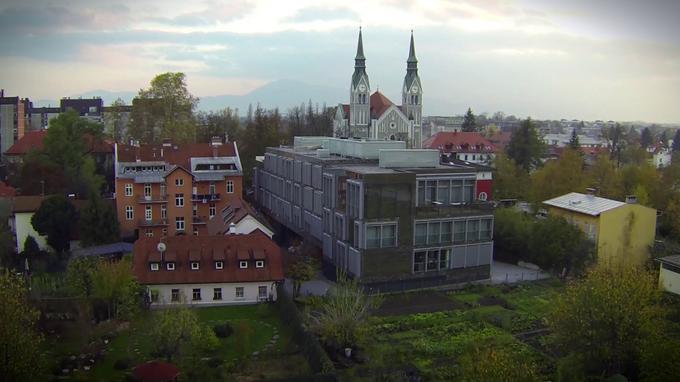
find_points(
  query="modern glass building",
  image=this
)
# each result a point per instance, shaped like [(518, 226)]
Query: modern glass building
[(393, 217)]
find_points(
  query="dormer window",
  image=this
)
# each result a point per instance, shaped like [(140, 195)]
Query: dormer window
[(243, 264), (179, 182), (195, 265), (170, 266), (259, 264), (154, 266), (219, 265)]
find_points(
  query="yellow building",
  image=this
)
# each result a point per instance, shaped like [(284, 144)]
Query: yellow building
[(669, 273), (621, 231)]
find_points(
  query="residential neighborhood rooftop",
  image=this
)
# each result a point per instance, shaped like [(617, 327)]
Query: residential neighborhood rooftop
[(584, 203)]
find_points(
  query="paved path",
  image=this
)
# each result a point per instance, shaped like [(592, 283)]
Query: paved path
[(316, 287), (509, 273)]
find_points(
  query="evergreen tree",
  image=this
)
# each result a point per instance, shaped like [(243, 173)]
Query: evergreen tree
[(676, 141), (469, 123), (98, 222), (53, 219), (574, 143), (646, 138), (525, 147)]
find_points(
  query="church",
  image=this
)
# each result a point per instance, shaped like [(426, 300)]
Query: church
[(374, 116)]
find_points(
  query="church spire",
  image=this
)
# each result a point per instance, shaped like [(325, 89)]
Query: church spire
[(360, 59), (412, 60)]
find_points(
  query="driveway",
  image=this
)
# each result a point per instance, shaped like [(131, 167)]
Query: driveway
[(504, 273)]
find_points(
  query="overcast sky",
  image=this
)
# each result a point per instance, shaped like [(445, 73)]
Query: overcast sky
[(604, 59)]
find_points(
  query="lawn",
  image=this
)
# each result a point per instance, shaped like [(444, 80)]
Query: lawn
[(259, 353), (428, 344)]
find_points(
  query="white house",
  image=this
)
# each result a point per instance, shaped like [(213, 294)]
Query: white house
[(208, 270)]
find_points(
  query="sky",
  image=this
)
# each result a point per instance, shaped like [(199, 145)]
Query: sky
[(604, 59)]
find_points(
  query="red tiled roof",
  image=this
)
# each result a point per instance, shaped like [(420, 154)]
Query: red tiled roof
[(156, 371), (177, 154), (7, 191), (240, 208), (31, 140), (501, 139), (379, 104), (230, 247), (447, 141)]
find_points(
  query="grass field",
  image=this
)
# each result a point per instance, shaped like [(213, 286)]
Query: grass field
[(131, 341), (428, 344)]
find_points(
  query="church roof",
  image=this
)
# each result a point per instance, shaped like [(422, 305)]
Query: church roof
[(379, 104)]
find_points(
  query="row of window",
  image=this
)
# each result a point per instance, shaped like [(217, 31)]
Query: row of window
[(453, 231), (148, 211), (381, 235), (217, 294), (179, 182), (445, 191), (464, 256), (196, 265)]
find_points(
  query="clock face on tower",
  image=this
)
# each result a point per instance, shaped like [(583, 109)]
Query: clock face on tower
[(414, 89), (362, 88)]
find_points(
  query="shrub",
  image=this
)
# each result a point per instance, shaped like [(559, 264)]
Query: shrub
[(223, 330), (122, 364), (215, 362)]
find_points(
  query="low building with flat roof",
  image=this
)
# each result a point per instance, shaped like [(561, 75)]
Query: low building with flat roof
[(394, 218)]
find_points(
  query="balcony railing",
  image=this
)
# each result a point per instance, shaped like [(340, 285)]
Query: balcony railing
[(152, 222), (199, 220), (153, 199), (205, 198)]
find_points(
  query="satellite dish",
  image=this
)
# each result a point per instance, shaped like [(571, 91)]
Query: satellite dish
[(161, 247)]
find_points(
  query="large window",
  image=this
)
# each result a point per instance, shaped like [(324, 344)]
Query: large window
[(459, 232), (217, 293), (147, 190), (421, 233), (446, 232), (196, 294), (179, 223), (431, 260), (148, 213), (485, 229), (262, 292), (129, 213), (179, 182), (128, 189), (445, 191), (354, 199), (174, 297), (230, 187), (179, 200), (239, 292), (381, 235)]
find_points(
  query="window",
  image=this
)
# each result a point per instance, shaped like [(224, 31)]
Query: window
[(179, 200), (195, 265), (196, 294), (239, 292), (473, 230), (419, 262), (459, 232), (147, 190), (446, 232), (219, 265), (163, 193), (212, 210), (243, 264), (174, 295), (148, 213), (217, 293), (148, 232), (129, 213), (164, 211), (194, 209), (433, 233), (354, 199), (128, 189), (211, 189), (170, 266), (259, 264), (154, 295), (164, 231), (195, 232), (179, 223), (179, 182), (154, 266), (262, 291), (421, 233), (431, 260), (230, 187), (485, 229), (381, 236)]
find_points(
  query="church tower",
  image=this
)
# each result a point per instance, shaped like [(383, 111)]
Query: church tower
[(412, 94), (360, 90)]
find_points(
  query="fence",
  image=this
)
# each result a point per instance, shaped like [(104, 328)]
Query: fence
[(312, 349)]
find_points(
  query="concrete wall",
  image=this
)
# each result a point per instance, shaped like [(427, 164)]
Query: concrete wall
[(250, 293), (669, 280), (626, 233)]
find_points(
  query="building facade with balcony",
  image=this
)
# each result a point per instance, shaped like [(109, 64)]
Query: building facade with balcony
[(394, 218), (171, 189)]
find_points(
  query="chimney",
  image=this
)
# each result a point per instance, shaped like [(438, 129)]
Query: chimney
[(590, 192), (167, 142), (232, 228), (216, 140), (631, 199)]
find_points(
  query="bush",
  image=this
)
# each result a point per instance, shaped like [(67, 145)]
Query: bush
[(215, 362), (122, 364), (223, 330)]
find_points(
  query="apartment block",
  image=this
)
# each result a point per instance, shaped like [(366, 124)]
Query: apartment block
[(12, 120), (174, 189), (394, 218)]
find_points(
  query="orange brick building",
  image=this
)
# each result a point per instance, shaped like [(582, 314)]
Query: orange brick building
[(173, 189)]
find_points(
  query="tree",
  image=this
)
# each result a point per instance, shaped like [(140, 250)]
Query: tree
[(7, 250), (302, 267), (676, 141), (469, 123), (509, 181), (98, 222), (601, 322), (525, 147), (164, 110), (53, 219), (177, 332), (342, 316), (646, 138), (114, 121), (558, 246), (559, 177), (221, 123), (20, 343), (574, 143), (670, 217), (615, 136), (606, 178)]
